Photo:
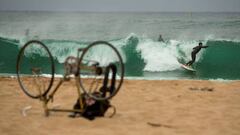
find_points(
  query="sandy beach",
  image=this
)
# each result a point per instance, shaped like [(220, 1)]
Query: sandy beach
[(181, 107)]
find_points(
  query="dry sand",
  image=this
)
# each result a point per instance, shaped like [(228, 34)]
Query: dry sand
[(182, 107)]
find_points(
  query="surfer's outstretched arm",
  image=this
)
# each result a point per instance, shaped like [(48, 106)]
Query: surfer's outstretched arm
[(205, 46)]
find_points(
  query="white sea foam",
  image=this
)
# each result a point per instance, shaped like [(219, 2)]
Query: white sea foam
[(163, 56), (158, 56)]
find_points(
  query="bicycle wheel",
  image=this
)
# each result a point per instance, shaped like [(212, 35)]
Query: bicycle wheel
[(101, 70), (35, 69)]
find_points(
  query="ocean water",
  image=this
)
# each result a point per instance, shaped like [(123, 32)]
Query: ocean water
[(135, 35)]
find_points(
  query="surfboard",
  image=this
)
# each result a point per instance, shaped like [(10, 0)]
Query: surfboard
[(187, 67)]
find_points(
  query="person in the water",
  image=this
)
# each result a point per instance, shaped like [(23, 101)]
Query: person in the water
[(160, 38), (194, 53)]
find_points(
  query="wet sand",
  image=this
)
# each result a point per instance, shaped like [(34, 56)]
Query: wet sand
[(182, 107)]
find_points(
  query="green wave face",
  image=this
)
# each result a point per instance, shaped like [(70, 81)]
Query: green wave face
[(144, 57), (220, 60)]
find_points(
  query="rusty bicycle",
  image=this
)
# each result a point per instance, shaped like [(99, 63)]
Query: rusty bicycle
[(102, 70)]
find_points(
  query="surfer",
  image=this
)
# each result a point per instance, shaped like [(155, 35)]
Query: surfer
[(196, 49), (160, 38)]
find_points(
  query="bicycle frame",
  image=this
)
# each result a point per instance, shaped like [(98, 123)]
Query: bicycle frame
[(73, 66), (45, 99)]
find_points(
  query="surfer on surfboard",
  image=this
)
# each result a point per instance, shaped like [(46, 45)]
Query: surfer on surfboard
[(196, 49)]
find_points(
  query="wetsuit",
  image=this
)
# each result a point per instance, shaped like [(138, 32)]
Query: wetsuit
[(194, 52), (160, 39)]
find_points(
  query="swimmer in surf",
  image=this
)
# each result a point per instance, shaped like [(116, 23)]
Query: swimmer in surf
[(160, 38)]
